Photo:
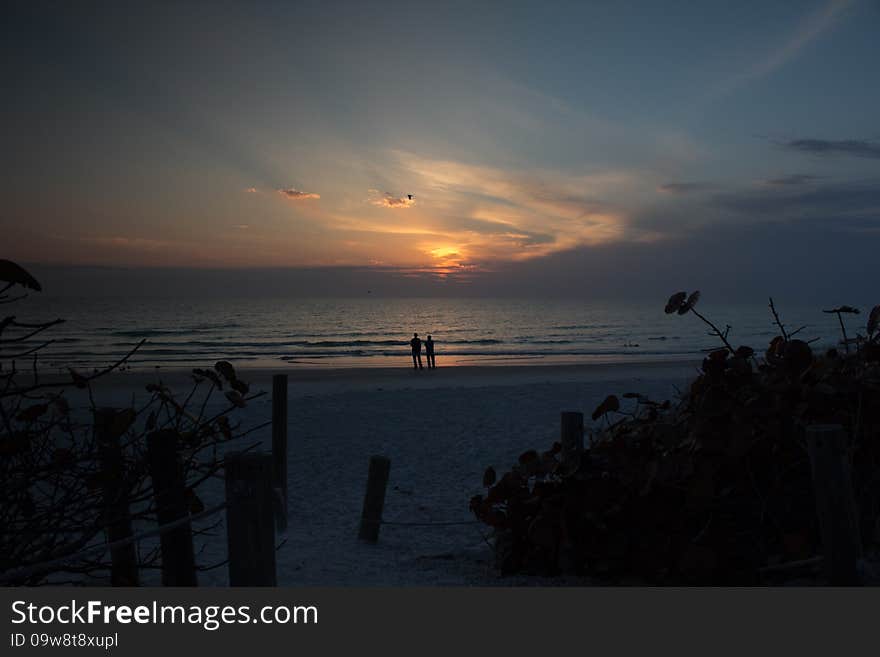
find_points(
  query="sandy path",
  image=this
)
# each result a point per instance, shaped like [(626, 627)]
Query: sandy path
[(439, 440)]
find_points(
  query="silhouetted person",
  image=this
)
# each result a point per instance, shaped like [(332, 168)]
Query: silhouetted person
[(429, 353), (416, 345)]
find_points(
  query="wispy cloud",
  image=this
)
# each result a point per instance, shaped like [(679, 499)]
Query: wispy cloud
[(476, 214), (792, 179), (809, 29), (855, 147), (296, 195), (128, 242), (686, 187)]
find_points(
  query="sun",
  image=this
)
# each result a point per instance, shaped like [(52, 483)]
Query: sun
[(445, 252)]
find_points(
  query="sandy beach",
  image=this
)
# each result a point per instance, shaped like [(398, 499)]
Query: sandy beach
[(440, 429)]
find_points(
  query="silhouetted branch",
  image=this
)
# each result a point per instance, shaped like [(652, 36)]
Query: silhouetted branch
[(715, 332), (778, 321)]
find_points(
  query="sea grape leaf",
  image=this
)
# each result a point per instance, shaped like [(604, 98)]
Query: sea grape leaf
[(240, 386), (15, 443), (122, 421), (31, 413), (209, 374), (13, 273), (874, 320), (61, 456), (235, 398), (194, 501), (611, 403), (675, 302), (79, 380), (61, 406), (690, 303), (226, 369), (223, 423)]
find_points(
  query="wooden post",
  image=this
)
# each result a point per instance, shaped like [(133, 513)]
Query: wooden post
[(835, 504), (169, 491), (572, 439), (374, 499), (279, 447), (250, 525), (124, 562)]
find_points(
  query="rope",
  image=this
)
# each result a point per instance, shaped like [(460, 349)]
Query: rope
[(27, 571)]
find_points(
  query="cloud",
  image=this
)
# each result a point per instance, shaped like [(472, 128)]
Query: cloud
[(809, 28), (499, 229), (296, 195), (854, 147), (813, 207), (128, 242), (792, 179), (471, 217), (387, 200), (686, 187), (539, 211), (837, 202)]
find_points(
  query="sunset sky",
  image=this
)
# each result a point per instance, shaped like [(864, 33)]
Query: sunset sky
[(530, 135)]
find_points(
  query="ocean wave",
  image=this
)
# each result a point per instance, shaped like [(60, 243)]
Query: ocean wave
[(227, 344), (490, 352), (529, 341), (183, 330)]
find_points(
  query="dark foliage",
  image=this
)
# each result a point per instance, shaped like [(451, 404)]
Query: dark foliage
[(52, 475), (707, 490)]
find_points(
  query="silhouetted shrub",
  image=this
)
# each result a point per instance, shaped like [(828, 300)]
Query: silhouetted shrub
[(51, 475), (706, 490)]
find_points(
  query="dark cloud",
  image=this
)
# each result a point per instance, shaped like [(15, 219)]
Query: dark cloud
[(792, 179), (855, 147), (296, 195), (824, 200), (687, 187), (799, 261)]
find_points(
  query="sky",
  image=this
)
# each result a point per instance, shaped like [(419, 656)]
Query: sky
[(579, 148)]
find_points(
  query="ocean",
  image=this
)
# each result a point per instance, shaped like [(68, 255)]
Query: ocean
[(367, 332)]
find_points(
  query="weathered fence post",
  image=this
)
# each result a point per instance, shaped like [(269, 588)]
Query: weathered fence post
[(835, 504), (279, 446), (169, 491), (572, 438), (374, 499), (250, 525), (124, 563)]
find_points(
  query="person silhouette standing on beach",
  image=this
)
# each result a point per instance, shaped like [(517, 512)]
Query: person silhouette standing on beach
[(429, 353), (416, 345)]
